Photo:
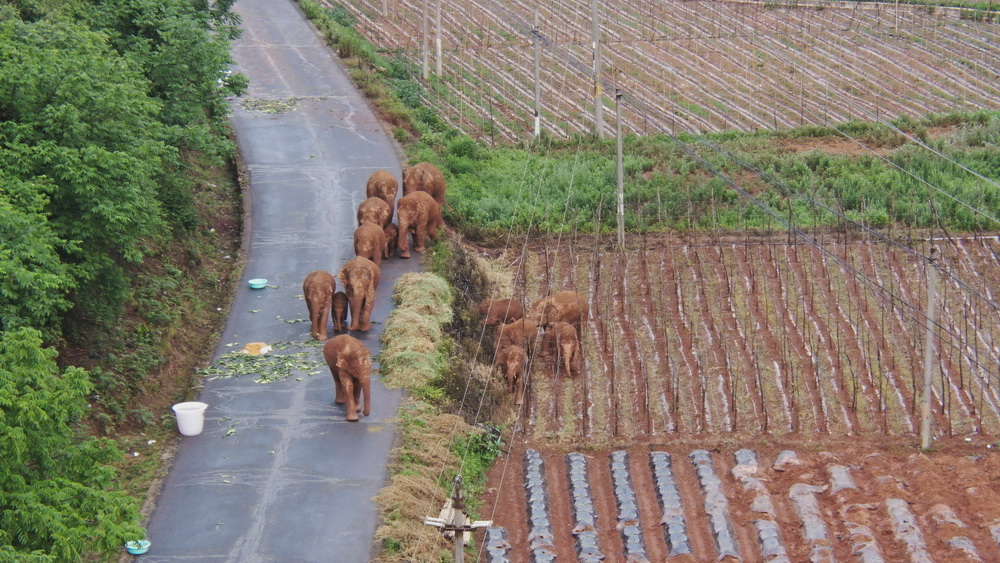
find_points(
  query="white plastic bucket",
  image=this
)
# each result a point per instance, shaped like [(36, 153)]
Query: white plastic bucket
[(190, 417)]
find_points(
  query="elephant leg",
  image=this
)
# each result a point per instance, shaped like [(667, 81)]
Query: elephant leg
[(548, 344), (339, 398), (352, 403), (366, 311), (567, 356), (419, 238), (357, 396)]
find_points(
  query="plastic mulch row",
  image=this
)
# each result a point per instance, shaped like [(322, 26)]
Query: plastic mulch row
[(628, 508), (588, 549), (540, 538)]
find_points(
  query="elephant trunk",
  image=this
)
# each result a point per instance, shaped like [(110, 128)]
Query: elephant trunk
[(366, 388), (356, 300), (404, 235), (567, 357)]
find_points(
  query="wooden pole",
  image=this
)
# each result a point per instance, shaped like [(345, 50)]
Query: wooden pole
[(925, 414)]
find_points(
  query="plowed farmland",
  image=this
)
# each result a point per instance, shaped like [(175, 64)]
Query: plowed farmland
[(718, 358), (690, 66), (766, 336)]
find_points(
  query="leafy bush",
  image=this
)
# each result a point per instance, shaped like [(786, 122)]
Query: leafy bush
[(57, 494)]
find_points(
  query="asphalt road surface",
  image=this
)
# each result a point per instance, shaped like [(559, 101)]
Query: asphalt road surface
[(278, 474)]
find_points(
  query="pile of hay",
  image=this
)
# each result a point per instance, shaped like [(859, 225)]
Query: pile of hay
[(421, 470), (412, 354), (411, 357)]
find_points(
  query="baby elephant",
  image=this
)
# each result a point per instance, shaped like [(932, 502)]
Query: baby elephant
[(391, 232), (512, 362), (500, 311), (339, 312)]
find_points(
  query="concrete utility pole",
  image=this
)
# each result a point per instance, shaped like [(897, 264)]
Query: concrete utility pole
[(425, 50), (925, 408), (598, 95), (537, 40), (621, 171), (437, 37), (454, 523)]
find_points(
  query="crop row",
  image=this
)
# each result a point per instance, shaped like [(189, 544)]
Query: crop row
[(739, 337), (692, 66), (740, 506)]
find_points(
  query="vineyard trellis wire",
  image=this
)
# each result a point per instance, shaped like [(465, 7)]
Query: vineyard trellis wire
[(966, 86)]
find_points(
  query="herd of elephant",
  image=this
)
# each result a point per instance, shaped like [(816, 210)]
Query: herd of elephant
[(557, 319), (418, 213)]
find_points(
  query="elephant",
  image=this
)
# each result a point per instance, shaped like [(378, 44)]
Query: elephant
[(562, 337), (369, 241), (568, 306), (360, 277), (512, 363), (419, 214), (521, 332), (318, 289), (499, 311), (351, 367), (374, 210), (382, 184), (424, 177), (339, 311), (391, 240)]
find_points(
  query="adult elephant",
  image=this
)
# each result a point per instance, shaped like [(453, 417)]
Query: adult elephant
[(419, 214), (521, 332), (512, 363), (383, 185), (360, 276), (351, 367), (424, 177), (318, 289), (369, 241), (566, 306), (561, 337), (374, 210), (499, 311)]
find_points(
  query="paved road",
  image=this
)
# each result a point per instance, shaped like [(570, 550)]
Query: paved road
[(277, 474)]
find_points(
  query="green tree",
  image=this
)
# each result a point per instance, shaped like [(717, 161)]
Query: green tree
[(57, 493), (76, 123), (34, 281)]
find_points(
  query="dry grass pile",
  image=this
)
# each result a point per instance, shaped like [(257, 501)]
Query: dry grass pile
[(412, 354), (495, 275), (419, 485)]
